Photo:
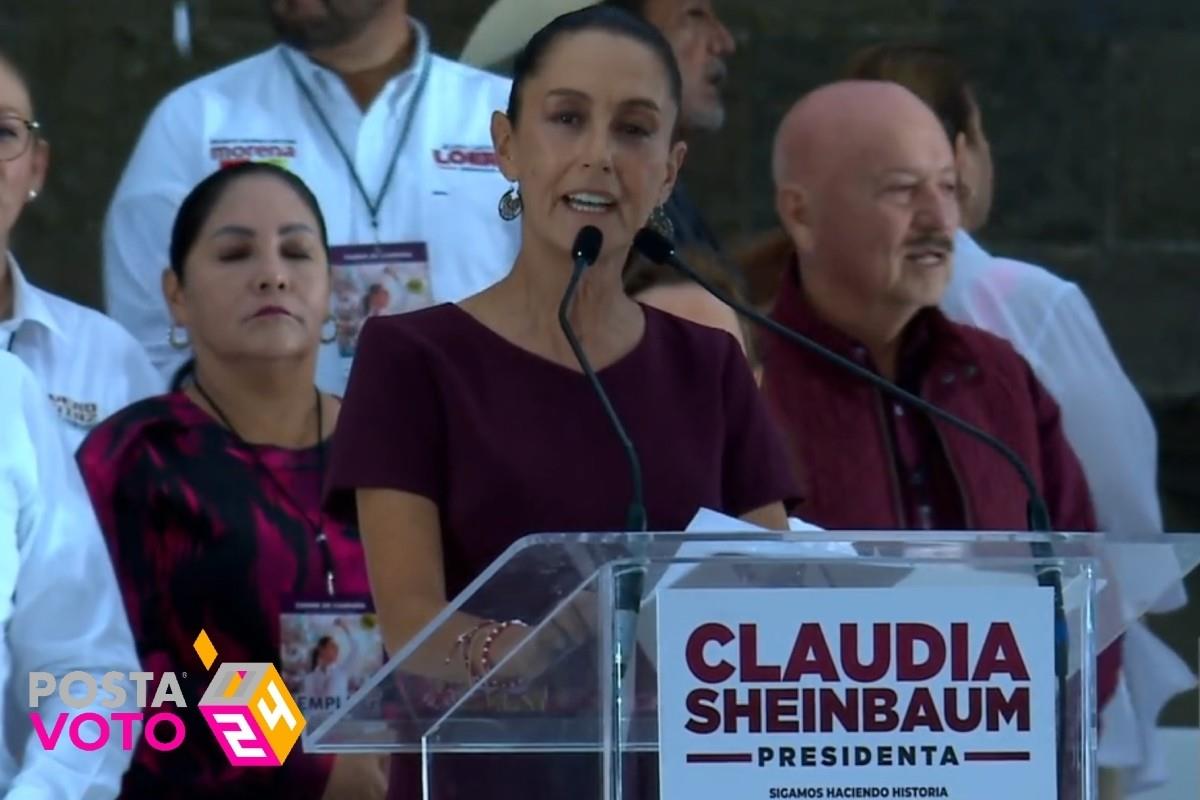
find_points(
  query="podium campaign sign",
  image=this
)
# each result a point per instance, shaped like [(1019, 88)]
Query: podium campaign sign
[(769, 694)]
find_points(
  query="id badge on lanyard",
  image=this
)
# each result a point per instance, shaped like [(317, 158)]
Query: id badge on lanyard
[(329, 647), (376, 280)]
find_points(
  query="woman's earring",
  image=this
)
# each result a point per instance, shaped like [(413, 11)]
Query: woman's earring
[(174, 340), (511, 205), (661, 224), (33, 195), (331, 337)]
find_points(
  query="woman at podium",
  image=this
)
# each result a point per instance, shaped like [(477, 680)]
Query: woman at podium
[(467, 426)]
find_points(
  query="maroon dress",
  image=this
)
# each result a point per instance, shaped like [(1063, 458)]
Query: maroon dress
[(202, 538), (508, 443)]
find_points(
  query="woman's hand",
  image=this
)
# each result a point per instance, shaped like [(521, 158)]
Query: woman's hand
[(571, 626)]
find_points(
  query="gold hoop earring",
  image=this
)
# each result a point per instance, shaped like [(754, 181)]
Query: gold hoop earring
[(511, 204), (661, 224), (173, 338), (331, 337)]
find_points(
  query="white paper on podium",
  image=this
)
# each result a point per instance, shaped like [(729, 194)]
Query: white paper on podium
[(1075, 590), (709, 521)]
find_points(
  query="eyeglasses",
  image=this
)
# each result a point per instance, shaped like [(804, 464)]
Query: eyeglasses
[(16, 133)]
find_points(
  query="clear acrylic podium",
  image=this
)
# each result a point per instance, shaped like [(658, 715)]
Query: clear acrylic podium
[(577, 727)]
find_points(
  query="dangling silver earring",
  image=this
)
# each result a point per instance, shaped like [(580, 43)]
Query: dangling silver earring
[(661, 224), (511, 205), (173, 338), (331, 337)]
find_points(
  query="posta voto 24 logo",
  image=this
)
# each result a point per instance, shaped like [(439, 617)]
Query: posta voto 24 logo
[(247, 707)]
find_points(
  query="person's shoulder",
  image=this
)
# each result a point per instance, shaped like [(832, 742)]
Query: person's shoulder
[(1036, 281), (99, 338), (473, 87), (420, 324), (132, 431), (166, 149), (232, 79), (686, 342), (976, 267), (456, 70), (985, 345), (85, 326), (427, 330), (994, 355)]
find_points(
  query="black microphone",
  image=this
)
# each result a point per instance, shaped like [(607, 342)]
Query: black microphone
[(660, 250), (629, 580)]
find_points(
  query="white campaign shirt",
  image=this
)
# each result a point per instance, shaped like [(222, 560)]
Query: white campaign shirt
[(444, 191), (60, 609), (1050, 322), (89, 365)]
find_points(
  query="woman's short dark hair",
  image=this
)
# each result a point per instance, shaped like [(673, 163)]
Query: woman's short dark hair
[(198, 206), (604, 18), (929, 71)]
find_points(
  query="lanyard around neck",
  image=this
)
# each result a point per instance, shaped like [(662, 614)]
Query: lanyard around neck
[(318, 527), (373, 206)]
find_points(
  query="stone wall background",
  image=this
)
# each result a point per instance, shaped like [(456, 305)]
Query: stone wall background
[(1091, 107)]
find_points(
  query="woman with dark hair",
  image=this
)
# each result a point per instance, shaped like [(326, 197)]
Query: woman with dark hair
[(209, 496), (327, 684), (469, 426)]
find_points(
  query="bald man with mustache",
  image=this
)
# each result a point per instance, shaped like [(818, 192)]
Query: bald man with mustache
[(865, 187), (866, 190)]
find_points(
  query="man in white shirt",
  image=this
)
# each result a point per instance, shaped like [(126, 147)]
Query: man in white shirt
[(394, 141), (60, 609), (1050, 322)]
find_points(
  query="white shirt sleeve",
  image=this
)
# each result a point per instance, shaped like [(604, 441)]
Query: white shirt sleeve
[(67, 615), (137, 229), (1105, 420)]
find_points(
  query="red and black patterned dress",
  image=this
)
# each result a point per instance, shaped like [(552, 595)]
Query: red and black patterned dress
[(201, 537)]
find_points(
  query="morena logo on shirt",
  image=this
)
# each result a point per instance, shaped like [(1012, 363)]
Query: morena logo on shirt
[(231, 152), (247, 707), (466, 157)]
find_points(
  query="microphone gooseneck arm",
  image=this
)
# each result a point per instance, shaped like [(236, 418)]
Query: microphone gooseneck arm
[(627, 580), (584, 254)]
